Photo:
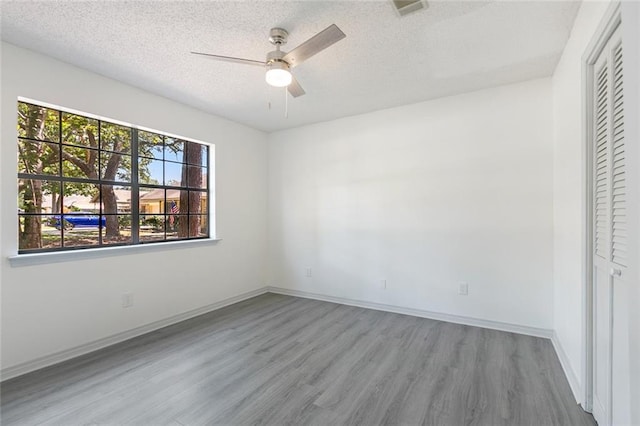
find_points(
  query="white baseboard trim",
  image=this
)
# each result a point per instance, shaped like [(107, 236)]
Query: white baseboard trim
[(65, 355), (574, 383), (494, 325)]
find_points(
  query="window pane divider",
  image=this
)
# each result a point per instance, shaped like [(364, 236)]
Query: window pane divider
[(135, 190)]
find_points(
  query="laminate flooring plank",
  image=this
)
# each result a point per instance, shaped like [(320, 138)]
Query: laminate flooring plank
[(393, 384), (112, 381), (271, 364), (240, 369), (357, 374), (281, 360), (382, 399), (109, 362), (110, 378)]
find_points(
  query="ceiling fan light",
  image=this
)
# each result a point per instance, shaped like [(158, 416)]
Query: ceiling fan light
[(278, 75)]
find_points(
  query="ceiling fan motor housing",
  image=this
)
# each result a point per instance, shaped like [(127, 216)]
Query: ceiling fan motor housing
[(278, 36), (276, 56)]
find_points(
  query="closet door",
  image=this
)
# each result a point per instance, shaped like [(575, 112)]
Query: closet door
[(609, 215)]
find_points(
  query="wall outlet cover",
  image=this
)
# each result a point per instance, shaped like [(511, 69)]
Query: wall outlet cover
[(463, 289)]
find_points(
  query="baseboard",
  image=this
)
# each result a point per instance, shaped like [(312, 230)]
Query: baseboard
[(574, 383), (494, 325), (65, 355)]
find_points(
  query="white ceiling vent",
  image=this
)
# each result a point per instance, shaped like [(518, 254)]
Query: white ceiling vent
[(404, 7)]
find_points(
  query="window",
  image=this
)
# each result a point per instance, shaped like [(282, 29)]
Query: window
[(84, 182)]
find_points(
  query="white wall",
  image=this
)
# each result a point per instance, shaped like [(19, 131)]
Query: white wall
[(424, 196), (631, 45), (55, 307), (568, 192)]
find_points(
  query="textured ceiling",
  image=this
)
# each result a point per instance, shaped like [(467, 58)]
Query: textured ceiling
[(385, 61)]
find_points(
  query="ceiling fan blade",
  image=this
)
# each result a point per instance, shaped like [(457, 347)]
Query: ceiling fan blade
[(232, 59), (295, 89), (315, 44)]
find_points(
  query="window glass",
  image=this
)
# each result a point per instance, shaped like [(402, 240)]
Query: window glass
[(173, 150), (38, 123), (150, 145), (115, 138), (79, 130), (38, 157), (79, 179)]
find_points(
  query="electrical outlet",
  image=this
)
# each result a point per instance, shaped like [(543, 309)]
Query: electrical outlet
[(463, 289), (127, 300), (383, 284), (308, 273)]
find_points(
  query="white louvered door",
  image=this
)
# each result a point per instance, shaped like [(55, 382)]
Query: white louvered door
[(609, 215)]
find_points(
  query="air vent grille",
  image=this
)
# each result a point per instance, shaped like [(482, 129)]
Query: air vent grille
[(404, 7)]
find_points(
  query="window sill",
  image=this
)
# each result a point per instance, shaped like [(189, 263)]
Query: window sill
[(72, 255)]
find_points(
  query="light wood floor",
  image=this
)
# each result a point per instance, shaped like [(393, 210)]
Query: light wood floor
[(282, 360)]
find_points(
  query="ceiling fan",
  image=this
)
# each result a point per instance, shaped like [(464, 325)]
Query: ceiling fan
[(279, 63)]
